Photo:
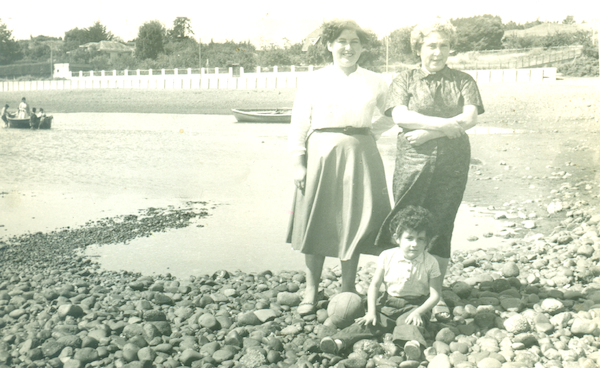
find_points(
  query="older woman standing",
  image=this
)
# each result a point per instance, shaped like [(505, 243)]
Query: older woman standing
[(341, 196), (434, 105)]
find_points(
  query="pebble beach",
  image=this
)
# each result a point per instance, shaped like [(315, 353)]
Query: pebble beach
[(532, 303)]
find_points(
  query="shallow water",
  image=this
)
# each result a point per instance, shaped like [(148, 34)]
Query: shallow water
[(90, 166)]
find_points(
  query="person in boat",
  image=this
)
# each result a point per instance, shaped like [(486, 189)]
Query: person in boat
[(41, 115), (6, 115), (341, 194), (23, 111), (434, 105), (34, 121)]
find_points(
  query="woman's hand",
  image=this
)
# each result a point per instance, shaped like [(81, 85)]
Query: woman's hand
[(414, 318), (369, 318), (419, 136), (299, 175), (452, 129)]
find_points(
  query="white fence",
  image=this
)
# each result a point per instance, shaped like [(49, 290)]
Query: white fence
[(245, 81)]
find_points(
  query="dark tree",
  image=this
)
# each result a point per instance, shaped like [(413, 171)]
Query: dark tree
[(570, 19), (10, 51), (229, 53), (76, 37), (481, 32), (98, 32), (182, 29), (399, 45), (150, 40)]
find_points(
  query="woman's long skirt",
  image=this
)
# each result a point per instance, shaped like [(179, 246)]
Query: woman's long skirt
[(345, 199), (434, 176)]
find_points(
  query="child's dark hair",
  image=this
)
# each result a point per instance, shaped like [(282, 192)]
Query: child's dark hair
[(413, 218)]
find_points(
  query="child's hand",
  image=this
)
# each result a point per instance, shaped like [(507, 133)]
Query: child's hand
[(414, 318), (369, 318)]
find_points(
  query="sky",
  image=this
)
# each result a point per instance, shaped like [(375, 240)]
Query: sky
[(269, 21)]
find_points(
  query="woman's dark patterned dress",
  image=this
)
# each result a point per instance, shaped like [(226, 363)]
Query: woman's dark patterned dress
[(434, 174)]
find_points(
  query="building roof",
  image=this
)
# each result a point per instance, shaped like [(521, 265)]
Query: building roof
[(312, 39), (108, 46)]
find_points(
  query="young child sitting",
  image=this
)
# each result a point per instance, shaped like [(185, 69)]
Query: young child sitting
[(413, 284)]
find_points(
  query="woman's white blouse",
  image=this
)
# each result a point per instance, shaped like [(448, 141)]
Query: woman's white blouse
[(329, 98)]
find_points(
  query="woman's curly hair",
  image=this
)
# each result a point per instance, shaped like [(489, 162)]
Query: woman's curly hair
[(413, 218), (422, 30), (331, 30)]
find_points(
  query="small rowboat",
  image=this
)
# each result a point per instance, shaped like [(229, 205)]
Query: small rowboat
[(45, 123), (283, 115)]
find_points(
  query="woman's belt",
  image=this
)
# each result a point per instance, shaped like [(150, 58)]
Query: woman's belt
[(350, 130)]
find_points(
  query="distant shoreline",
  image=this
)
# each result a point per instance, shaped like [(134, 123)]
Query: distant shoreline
[(199, 101)]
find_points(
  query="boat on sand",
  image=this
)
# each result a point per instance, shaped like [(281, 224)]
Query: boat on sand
[(281, 115)]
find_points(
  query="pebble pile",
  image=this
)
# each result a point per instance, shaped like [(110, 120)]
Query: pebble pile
[(535, 303)]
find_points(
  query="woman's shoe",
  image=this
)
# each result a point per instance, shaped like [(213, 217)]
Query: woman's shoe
[(306, 308)]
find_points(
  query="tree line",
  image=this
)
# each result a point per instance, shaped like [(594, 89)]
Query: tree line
[(159, 47)]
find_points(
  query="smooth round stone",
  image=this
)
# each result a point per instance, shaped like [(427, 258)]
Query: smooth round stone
[(147, 354), (440, 361), (460, 347), (17, 313), (189, 356), (543, 324), (489, 363), (510, 269), (552, 306), (445, 335), (457, 357), (130, 352), (52, 348), (289, 299), (209, 321), (248, 319), (73, 363), (585, 250), (70, 310), (222, 355), (441, 347), (512, 304), (163, 299), (462, 289), (517, 324), (583, 327), (154, 315), (86, 355), (485, 319)]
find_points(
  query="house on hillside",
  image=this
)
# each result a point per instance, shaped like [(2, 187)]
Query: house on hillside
[(312, 39), (114, 49)]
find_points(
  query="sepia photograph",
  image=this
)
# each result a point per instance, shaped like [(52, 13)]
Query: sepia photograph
[(309, 185)]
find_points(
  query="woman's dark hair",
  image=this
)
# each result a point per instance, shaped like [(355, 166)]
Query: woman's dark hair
[(331, 30), (413, 218)]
